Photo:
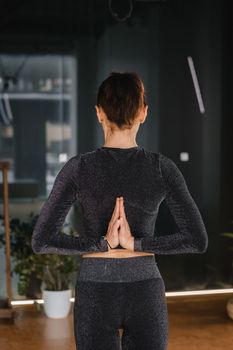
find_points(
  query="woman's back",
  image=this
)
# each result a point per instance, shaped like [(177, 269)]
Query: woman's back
[(107, 173), (144, 179)]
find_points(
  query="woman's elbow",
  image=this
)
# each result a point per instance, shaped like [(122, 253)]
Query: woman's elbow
[(202, 245), (37, 247)]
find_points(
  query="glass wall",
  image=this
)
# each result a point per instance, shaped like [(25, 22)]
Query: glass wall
[(37, 130), (36, 117)]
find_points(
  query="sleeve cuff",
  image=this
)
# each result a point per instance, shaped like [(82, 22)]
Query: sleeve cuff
[(103, 245), (137, 244)]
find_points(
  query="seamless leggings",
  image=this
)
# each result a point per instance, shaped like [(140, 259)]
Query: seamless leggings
[(134, 302)]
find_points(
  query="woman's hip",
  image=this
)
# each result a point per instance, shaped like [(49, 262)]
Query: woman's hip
[(131, 269)]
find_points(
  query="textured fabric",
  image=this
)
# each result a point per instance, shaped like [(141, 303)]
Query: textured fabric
[(144, 179), (139, 308), (114, 293), (130, 269)]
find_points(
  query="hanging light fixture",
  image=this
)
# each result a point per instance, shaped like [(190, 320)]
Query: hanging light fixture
[(120, 9)]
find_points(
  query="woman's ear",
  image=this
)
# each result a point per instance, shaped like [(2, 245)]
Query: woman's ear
[(97, 109), (144, 114), (145, 111), (98, 113)]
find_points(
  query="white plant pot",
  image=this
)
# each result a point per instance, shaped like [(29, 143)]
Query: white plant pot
[(57, 303), (229, 308)]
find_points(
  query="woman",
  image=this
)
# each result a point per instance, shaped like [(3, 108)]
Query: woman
[(120, 187)]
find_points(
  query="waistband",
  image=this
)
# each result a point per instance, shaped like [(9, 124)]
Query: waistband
[(118, 269)]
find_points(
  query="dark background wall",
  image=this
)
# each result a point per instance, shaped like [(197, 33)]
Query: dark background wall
[(155, 42)]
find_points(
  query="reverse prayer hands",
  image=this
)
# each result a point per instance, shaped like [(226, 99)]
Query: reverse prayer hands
[(118, 228), (125, 237)]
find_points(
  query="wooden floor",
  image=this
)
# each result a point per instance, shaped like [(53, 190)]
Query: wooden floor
[(195, 323)]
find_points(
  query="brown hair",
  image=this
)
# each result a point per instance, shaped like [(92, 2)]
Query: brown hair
[(121, 95)]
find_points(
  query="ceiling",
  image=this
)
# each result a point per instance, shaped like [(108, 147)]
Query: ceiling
[(67, 17)]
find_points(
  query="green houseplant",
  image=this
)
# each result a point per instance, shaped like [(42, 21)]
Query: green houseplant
[(27, 266), (56, 284), (48, 271)]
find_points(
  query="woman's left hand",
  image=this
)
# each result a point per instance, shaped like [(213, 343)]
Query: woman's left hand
[(126, 239)]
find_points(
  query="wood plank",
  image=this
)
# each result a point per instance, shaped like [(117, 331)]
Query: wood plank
[(195, 323)]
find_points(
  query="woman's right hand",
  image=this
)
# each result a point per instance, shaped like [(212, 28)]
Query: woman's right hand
[(113, 226)]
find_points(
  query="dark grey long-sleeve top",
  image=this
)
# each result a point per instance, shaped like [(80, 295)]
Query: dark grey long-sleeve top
[(144, 179)]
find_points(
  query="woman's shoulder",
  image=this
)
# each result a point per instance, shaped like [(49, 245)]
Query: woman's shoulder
[(167, 166), (79, 157), (163, 160)]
